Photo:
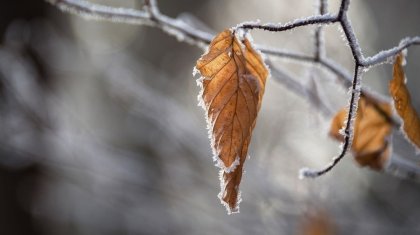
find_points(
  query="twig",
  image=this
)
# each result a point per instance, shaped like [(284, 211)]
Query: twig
[(298, 88), (347, 132), (152, 9), (101, 12), (184, 32), (285, 54), (384, 56), (319, 43), (151, 16), (356, 51), (354, 97), (312, 20)]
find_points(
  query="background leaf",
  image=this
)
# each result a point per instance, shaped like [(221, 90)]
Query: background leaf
[(318, 222), (371, 129), (402, 103)]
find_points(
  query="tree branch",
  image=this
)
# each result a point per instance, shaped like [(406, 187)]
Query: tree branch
[(151, 16), (351, 39), (385, 56), (312, 20), (299, 89), (101, 12), (347, 132), (319, 43)]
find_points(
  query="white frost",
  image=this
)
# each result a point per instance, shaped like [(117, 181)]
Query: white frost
[(195, 71), (232, 166), (307, 173)]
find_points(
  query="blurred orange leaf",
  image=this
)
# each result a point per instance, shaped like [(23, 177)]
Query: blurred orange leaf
[(317, 223), (232, 86), (402, 103), (371, 129)]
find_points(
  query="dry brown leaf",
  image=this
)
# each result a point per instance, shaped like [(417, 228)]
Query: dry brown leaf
[(232, 86), (371, 130), (402, 103)]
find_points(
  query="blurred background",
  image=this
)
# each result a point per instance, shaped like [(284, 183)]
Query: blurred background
[(100, 132)]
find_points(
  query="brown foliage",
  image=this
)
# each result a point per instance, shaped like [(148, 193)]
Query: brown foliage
[(371, 129), (402, 103), (317, 223), (233, 82)]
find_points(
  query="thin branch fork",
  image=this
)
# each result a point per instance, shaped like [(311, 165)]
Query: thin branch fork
[(359, 60), (347, 132), (151, 16)]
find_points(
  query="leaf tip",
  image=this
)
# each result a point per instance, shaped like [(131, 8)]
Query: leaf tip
[(230, 210), (232, 207)]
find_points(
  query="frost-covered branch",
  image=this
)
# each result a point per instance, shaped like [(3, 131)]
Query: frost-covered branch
[(151, 16), (312, 20), (101, 12), (319, 40), (356, 51), (385, 56), (152, 9), (354, 97), (347, 131)]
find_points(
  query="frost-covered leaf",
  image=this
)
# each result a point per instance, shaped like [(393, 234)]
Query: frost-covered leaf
[(402, 103), (371, 130), (232, 86)]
